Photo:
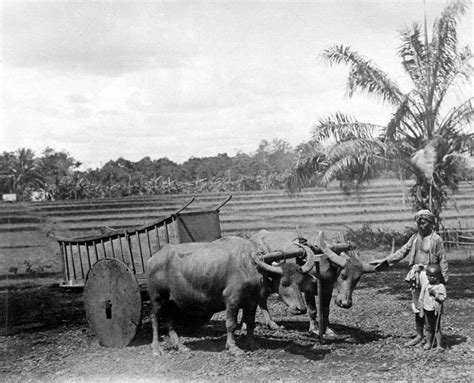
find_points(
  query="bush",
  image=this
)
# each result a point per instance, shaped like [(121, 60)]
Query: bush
[(367, 238)]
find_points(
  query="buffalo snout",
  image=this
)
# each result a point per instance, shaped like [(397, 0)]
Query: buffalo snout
[(294, 300)]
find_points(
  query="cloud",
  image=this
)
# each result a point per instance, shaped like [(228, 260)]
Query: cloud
[(178, 79), (99, 37), (78, 99)]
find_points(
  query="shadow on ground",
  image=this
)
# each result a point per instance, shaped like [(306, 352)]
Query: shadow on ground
[(39, 308), (293, 339)]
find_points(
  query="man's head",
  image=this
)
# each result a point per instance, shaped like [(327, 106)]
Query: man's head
[(425, 220)]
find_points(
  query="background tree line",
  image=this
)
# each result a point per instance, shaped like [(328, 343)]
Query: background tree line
[(57, 174)]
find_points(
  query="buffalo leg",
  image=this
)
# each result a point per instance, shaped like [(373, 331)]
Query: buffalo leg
[(169, 313), (312, 312), (175, 341), (232, 311), (249, 316), (156, 310), (267, 319), (231, 325), (326, 303)]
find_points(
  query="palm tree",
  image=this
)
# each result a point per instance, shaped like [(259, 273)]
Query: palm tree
[(23, 169), (418, 141)]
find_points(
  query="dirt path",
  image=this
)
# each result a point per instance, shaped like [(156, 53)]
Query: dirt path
[(46, 338)]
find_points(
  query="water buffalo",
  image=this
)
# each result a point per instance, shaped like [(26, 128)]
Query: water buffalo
[(339, 270), (196, 280)]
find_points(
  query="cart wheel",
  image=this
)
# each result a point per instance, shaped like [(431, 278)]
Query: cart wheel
[(112, 302)]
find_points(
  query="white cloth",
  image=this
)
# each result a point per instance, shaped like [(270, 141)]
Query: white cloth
[(432, 301), (416, 291)]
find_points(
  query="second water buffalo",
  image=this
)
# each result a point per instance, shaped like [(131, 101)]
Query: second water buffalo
[(339, 271)]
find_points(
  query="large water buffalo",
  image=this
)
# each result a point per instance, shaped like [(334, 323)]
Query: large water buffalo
[(339, 270), (196, 280)]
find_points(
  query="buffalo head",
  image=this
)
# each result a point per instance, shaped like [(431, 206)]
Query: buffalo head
[(349, 271), (286, 279)]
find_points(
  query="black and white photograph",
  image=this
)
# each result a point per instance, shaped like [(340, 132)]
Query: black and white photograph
[(236, 191)]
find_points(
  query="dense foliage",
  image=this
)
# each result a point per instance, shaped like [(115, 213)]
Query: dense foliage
[(365, 237), (56, 175)]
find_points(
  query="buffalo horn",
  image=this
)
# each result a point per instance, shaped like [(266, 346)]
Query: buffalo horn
[(266, 267), (310, 257), (332, 256)]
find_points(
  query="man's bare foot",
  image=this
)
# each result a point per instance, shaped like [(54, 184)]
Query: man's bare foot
[(414, 341), (427, 346)]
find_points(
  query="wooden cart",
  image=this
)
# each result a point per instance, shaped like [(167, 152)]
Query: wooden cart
[(111, 267)]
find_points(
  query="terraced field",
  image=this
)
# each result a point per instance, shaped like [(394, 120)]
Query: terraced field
[(24, 227)]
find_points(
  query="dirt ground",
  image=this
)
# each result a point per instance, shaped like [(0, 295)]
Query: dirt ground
[(45, 337)]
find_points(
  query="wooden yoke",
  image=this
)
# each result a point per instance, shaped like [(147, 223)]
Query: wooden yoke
[(279, 255), (275, 256)]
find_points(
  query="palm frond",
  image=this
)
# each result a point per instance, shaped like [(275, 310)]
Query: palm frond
[(453, 168), (356, 160), (307, 169), (396, 125), (364, 75), (357, 147), (457, 119), (413, 53), (444, 48), (359, 169), (461, 72), (359, 160), (342, 127)]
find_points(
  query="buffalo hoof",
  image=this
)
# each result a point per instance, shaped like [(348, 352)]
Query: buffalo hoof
[(275, 327), (184, 349), (251, 345), (329, 334)]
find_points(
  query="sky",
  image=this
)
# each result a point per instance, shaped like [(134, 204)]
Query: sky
[(179, 79)]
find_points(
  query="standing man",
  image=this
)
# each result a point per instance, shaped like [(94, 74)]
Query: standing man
[(425, 247)]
